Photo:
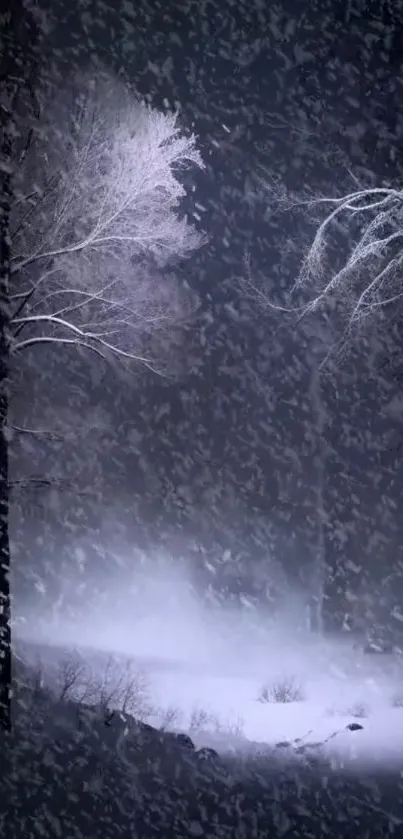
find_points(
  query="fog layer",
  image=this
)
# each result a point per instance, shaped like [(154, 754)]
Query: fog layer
[(221, 661)]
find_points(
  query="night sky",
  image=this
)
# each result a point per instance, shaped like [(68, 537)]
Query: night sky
[(220, 455)]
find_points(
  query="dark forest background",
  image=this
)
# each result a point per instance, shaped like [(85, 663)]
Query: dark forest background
[(221, 457)]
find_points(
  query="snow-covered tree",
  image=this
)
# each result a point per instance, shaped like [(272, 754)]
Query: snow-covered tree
[(93, 218), (90, 236)]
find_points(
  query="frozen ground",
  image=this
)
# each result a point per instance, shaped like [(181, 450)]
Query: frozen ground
[(228, 705), (213, 664)]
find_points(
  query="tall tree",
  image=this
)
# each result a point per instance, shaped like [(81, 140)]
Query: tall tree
[(319, 570), (93, 217), (20, 37), (313, 337)]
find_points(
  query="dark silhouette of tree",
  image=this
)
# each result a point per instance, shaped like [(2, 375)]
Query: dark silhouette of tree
[(20, 37)]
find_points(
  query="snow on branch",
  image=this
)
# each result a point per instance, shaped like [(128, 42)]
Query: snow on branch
[(356, 254), (369, 275), (96, 223)]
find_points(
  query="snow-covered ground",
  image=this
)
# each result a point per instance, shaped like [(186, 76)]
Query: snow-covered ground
[(213, 666), (339, 687)]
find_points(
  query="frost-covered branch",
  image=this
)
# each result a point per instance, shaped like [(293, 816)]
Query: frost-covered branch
[(96, 342), (356, 253), (44, 433), (96, 222)]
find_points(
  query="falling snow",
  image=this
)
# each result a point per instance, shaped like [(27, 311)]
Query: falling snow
[(201, 450)]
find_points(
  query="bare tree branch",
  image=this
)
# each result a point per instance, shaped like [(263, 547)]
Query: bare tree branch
[(72, 672), (369, 223), (47, 339), (44, 433), (90, 340)]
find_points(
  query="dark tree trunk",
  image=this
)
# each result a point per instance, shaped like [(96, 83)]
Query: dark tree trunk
[(18, 65), (5, 256), (319, 567), (5, 629)]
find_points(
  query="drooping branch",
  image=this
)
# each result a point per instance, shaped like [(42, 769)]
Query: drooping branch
[(367, 227), (76, 342)]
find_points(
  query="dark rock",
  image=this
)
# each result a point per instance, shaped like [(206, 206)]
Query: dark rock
[(207, 753), (184, 740), (354, 726)]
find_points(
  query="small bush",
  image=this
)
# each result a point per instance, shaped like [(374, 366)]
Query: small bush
[(201, 720), (121, 687), (235, 728), (397, 700), (206, 722), (168, 718), (284, 691), (359, 710)]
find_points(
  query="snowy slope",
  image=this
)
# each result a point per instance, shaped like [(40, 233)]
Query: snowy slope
[(339, 686)]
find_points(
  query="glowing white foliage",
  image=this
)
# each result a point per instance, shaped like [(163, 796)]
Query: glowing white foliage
[(96, 221)]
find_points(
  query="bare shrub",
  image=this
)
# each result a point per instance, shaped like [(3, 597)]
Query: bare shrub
[(169, 717), (236, 728), (201, 720), (227, 727), (135, 692), (359, 710), (125, 689), (283, 691), (72, 678), (206, 722), (120, 688)]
